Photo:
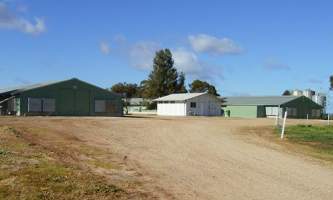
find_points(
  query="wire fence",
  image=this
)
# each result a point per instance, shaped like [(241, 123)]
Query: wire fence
[(281, 122)]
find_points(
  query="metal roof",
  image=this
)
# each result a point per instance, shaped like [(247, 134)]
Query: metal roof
[(258, 100), (19, 89), (9, 89), (179, 97)]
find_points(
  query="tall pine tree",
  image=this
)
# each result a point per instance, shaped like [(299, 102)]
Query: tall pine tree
[(181, 83), (164, 78)]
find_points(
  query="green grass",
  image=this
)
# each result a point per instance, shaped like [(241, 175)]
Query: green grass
[(309, 133), (319, 138)]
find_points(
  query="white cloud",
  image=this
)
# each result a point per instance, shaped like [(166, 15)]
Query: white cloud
[(274, 65), (210, 44), (10, 21), (186, 61), (141, 54), (189, 63), (104, 48)]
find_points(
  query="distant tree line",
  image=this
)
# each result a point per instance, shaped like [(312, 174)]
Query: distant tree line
[(331, 81), (164, 79), (286, 93)]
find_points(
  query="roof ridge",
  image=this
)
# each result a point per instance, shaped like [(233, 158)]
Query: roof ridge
[(265, 96), (185, 96), (259, 100)]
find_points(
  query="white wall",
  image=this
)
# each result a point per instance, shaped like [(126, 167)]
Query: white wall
[(171, 109), (206, 105), (273, 111)]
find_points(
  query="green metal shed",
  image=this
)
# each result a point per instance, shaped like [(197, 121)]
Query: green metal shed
[(271, 106), (71, 97)]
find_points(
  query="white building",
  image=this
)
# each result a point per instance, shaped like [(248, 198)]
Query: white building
[(319, 98), (187, 104), (297, 92)]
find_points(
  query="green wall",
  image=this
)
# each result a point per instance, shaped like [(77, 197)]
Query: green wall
[(303, 105), (242, 111), (72, 97), (261, 111)]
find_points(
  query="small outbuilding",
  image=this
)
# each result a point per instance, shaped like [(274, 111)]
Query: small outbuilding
[(189, 104), (271, 106), (71, 97)]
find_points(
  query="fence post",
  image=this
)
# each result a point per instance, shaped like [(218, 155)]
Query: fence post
[(328, 119), (284, 125), (277, 120)]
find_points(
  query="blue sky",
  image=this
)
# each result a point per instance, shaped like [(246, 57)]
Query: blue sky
[(243, 47)]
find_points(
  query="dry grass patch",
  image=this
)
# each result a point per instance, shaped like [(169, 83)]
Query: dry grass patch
[(31, 171)]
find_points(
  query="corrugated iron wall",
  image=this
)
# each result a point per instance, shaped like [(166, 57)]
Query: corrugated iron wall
[(69, 98)]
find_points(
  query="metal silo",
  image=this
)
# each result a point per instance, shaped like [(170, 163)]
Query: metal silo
[(309, 93)]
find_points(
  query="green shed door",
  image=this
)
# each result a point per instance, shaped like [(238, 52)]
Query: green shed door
[(66, 102), (82, 102)]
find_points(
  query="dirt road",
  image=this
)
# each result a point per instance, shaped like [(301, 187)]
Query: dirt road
[(200, 158)]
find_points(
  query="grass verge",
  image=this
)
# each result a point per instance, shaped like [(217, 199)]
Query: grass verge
[(28, 171), (311, 140), (319, 138)]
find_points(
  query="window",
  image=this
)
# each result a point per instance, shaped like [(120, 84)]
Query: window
[(272, 111), (40, 105), (193, 104), (12, 105), (34, 105), (105, 106), (48, 105), (100, 106), (315, 113), (292, 112), (110, 107)]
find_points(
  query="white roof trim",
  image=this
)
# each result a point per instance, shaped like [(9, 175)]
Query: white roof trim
[(179, 96)]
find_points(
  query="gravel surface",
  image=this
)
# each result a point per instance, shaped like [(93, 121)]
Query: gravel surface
[(199, 157)]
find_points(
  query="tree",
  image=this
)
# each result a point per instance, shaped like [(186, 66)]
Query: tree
[(202, 86), (181, 88), (331, 80), (286, 93), (127, 90), (164, 78), (143, 89)]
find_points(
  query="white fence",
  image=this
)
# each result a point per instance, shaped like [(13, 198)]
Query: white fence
[(281, 121)]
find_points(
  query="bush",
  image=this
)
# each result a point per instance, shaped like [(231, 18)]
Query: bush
[(303, 125), (325, 117), (152, 106)]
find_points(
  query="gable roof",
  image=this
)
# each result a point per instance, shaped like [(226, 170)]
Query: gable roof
[(179, 96), (259, 100), (20, 89)]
